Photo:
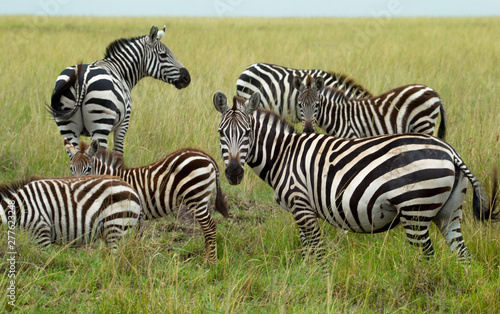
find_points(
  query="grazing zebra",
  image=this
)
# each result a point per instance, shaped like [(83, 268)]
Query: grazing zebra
[(187, 176), (364, 185), (71, 210), (274, 82), (94, 99), (406, 109)]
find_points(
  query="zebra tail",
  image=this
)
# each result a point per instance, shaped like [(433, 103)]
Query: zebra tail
[(220, 200), (55, 108), (479, 201), (442, 125)]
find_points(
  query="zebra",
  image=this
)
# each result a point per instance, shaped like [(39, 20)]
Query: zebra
[(406, 109), (94, 99), (274, 82), (75, 210), (363, 185), (187, 176)]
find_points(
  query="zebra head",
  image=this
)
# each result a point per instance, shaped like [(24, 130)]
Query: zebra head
[(81, 161), (235, 133), (308, 100), (161, 63)]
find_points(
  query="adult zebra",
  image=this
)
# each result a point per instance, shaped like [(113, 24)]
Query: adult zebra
[(364, 185), (406, 109), (71, 210), (94, 99), (274, 82), (187, 176)]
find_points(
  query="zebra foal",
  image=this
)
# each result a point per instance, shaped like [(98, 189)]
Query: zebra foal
[(275, 84), (364, 185), (187, 176), (71, 210), (94, 99), (406, 109)]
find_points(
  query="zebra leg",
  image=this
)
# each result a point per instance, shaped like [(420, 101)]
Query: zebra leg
[(449, 219), (119, 136), (310, 234), (417, 229), (209, 230), (42, 234)]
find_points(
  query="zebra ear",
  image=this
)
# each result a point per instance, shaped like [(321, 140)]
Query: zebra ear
[(70, 148), (220, 102), (252, 104), (161, 33), (153, 33), (297, 82), (319, 83), (93, 148)]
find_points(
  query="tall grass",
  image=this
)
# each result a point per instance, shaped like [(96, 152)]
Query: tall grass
[(259, 268)]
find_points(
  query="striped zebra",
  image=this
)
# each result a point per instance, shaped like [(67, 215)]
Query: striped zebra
[(71, 210), (187, 176), (406, 109), (275, 84), (364, 185), (94, 99)]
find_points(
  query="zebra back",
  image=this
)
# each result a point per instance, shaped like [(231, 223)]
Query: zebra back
[(71, 210), (275, 83)]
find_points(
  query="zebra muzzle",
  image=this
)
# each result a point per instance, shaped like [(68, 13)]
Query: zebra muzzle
[(184, 79), (234, 172)]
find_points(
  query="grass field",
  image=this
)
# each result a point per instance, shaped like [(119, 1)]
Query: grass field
[(259, 268)]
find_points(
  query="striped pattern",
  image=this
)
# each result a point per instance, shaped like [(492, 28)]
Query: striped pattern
[(72, 210), (406, 109), (274, 83), (187, 176), (365, 185), (94, 99)]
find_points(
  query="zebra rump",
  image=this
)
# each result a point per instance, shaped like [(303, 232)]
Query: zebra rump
[(275, 84), (74, 210), (187, 176)]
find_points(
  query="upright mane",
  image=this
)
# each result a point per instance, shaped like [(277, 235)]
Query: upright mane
[(12, 187), (111, 158), (351, 88), (118, 45)]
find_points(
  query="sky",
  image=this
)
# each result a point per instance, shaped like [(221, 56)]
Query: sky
[(254, 8)]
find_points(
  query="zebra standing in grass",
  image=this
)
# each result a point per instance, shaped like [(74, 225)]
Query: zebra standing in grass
[(406, 109), (364, 185), (274, 83), (94, 99), (71, 210), (187, 176)]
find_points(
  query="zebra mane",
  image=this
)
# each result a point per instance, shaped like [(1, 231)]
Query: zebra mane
[(118, 45), (110, 158), (14, 186), (346, 83)]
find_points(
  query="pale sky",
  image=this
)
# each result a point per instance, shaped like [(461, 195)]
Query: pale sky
[(254, 8)]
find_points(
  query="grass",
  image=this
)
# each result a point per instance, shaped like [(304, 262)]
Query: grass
[(259, 268)]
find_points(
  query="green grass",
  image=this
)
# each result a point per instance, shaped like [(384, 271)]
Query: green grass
[(259, 268)]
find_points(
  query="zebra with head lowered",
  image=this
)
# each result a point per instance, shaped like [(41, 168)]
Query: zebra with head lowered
[(188, 176), (94, 99), (364, 185), (71, 210), (275, 84), (406, 109)]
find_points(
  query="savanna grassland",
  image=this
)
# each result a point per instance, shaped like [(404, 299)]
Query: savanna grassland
[(259, 267)]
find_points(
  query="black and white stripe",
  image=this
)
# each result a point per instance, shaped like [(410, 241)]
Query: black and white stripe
[(274, 83), (72, 210), (406, 109), (187, 176), (364, 185), (94, 99)]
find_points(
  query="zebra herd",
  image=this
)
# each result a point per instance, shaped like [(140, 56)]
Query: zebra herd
[(378, 165)]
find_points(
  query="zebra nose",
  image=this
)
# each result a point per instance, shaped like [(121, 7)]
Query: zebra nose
[(308, 126), (234, 172), (184, 79)]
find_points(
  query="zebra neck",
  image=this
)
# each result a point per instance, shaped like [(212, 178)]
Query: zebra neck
[(130, 71)]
